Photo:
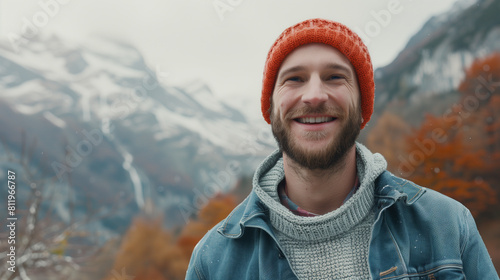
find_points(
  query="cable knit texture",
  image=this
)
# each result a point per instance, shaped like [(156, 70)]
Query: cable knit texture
[(329, 246)]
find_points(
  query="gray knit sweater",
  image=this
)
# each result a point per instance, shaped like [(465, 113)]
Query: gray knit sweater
[(329, 246)]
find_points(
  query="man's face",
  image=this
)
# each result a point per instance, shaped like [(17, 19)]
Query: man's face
[(315, 113)]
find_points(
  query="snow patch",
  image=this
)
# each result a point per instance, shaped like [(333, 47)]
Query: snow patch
[(54, 120)]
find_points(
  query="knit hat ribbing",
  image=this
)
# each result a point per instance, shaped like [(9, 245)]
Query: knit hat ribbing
[(327, 32)]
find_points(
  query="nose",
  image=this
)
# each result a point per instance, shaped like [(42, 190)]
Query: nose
[(314, 93)]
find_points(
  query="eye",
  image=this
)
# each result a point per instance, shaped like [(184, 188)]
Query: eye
[(335, 77), (294, 79)]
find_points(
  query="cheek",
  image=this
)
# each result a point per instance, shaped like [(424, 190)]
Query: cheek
[(351, 97), (283, 109), (286, 104), (354, 93), (278, 107), (356, 100)]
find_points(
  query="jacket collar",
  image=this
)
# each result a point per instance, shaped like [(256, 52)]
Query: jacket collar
[(252, 213), (391, 188)]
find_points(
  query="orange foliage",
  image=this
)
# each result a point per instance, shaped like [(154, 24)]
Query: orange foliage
[(385, 138), (482, 76), (215, 211), (481, 86), (458, 154), (150, 252), (449, 166)]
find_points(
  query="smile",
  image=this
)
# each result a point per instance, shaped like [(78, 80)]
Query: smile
[(315, 120)]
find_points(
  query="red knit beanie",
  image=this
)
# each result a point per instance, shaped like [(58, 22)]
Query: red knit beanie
[(327, 32)]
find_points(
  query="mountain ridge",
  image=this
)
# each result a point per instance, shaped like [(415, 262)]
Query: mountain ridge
[(155, 140), (434, 59)]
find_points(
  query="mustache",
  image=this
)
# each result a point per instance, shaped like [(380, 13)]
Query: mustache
[(317, 110)]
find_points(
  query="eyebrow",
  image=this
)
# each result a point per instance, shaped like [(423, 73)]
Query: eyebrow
[(336, 66), (290, 70), (333, 66)]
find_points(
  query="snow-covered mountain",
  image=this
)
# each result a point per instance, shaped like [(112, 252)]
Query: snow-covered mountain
[(433, 62), (100, 119)]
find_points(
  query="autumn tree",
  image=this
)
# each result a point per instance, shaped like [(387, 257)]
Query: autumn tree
[(481, 96), (482, 78), (458, 153), (212, 213), (151, 252), (385, 138), (439, 158), (148, 251)]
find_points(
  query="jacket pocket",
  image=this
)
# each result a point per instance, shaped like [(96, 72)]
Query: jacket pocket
[(442, 272)]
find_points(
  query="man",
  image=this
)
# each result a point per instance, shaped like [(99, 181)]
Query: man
[(323, 206)]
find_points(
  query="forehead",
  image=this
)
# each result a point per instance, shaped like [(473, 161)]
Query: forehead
[(315, 54)]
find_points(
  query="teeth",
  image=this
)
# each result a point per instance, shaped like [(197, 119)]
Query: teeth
[(315, 120)]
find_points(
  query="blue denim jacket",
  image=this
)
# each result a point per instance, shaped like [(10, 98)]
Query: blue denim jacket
[(418, 234)]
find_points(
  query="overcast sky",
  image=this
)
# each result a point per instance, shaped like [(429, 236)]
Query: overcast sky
[(222, 42)]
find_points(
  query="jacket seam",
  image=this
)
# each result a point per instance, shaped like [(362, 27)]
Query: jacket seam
[(406, 182), (246, 219), (466, 233), (428, 271), (199, 274), (242, 221), (227, 221), (197, 260), (420, 189), (405, 269)]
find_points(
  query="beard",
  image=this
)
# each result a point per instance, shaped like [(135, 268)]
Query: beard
[(334, 153)]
